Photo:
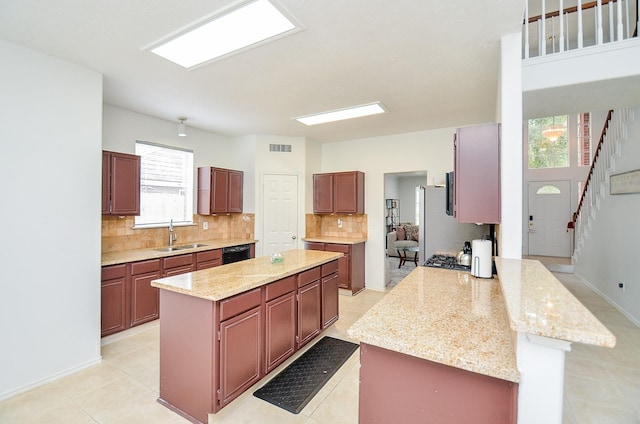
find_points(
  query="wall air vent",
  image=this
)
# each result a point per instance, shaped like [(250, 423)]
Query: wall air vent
[(284, 148)]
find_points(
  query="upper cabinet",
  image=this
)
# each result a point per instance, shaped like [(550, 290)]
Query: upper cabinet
[(477, 174), (120, 184), (219, 190), (338, 192)]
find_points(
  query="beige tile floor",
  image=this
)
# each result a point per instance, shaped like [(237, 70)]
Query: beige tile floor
[(601, 385)]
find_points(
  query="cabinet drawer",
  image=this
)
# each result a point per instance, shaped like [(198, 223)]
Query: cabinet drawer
[(308, 276), (114, 271), (343, 248), (280, 287), (176, 261), (329, 268), (209, 255), (239, 303), (144, 267), (314, 245)]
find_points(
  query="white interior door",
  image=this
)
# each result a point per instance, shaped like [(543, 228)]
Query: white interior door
[(549, 212), (280, 213)]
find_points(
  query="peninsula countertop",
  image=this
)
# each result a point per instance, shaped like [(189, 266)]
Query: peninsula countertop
[(538, 304), (224, 281), (444, 316), (134, 255), (334, 239)]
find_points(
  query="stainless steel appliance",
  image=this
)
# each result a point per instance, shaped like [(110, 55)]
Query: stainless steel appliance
[(236, 253), (450, 192)]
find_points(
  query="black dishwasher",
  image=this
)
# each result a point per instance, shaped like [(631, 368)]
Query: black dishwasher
[(236, 253)]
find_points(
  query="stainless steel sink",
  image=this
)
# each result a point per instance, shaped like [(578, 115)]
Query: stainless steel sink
[(182, 247)]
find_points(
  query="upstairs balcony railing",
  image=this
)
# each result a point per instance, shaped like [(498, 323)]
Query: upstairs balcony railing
[(554, 26)]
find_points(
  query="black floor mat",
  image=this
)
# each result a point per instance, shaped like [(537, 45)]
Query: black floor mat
[(297, 384)]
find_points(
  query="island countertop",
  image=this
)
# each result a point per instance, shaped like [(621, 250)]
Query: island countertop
[(224, 281), (444, 316), (334, 239)]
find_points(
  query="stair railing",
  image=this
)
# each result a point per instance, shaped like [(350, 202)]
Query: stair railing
[(591, 174), (608, 16)]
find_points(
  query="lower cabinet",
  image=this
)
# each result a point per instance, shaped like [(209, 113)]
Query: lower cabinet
[(240, 354), (145, 305), (308, 312), (329, 299), (280, 322), (350, 266), (114, 299), (176, 265)]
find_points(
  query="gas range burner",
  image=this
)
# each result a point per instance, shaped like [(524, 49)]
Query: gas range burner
[(445, 262)]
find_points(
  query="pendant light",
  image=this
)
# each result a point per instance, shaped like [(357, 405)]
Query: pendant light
[(554, 131), (182, 128)]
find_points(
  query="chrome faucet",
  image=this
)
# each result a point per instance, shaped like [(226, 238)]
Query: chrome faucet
[(172, 236)]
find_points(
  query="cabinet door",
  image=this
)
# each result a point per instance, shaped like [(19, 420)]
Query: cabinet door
[(235, 191), (106, 182), (219, 190), (323, 193), (477, 174), (240, 354), (114, 303), (348, 192), (309, 313), (344, 263), (125, 184), (329, 299), (144, 298), (280, 329)]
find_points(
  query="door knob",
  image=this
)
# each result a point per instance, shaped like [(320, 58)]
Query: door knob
[(293, 237)]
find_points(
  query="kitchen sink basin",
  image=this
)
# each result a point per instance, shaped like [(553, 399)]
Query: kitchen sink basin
[(182, 247)]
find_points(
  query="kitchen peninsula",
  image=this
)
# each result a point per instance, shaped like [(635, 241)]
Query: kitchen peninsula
[(222, 329), (456, 348)]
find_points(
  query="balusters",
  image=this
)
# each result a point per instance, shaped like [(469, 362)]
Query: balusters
[(580, 37), (619, 24), (600, 36), (526, 30), (561, 30)]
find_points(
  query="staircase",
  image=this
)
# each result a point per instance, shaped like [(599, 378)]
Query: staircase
[(610, 145)]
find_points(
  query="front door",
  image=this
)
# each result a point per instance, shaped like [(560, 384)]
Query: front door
[(280, 213), (549, 212)]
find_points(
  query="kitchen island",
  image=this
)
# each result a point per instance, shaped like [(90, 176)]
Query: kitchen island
[(222, 329), (454, 348)]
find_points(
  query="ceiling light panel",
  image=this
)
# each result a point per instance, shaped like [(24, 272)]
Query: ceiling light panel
[(243, 27), (341, 114)]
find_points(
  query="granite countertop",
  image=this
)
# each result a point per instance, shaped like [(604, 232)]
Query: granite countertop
[(227, 280), (124, 256), (333, 239), (444, 316), (537, 303)]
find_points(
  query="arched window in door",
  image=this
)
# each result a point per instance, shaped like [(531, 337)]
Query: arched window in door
[(548, 189)]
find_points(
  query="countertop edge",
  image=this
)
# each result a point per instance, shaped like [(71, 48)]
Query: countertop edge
[(336, 240)]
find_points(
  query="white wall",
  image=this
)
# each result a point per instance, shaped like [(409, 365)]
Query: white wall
[(418, 151), (280, 163), (50, 174), (610, 255)]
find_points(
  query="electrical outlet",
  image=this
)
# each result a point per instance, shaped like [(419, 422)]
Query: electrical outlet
[(621, 286), (205, 225), (339, 223)]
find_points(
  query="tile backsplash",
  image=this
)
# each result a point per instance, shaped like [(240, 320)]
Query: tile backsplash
[(118, 233), (327, 225)]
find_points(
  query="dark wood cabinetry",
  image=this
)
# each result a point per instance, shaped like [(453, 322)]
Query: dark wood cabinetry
[(253, 332), (144, 298), (280, 321), (114, 299), (120, 184), (351, 272), (208, 259), (330, 294), (176, 265), (219, 190), (338, 192), (477, 174)]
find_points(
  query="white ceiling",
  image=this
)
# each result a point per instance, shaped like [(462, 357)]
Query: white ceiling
[(432, 63)]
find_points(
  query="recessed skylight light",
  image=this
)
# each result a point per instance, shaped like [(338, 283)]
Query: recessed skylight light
[(242, 27), (339, 115)]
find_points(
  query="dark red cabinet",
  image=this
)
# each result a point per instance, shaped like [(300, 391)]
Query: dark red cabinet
[(144, 298), (120, 184), (477, 174), (338, 192), (309, 306), (280, 321), (208, 259), (176, 265), (114, 299), (350, 266), (219, 190)]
